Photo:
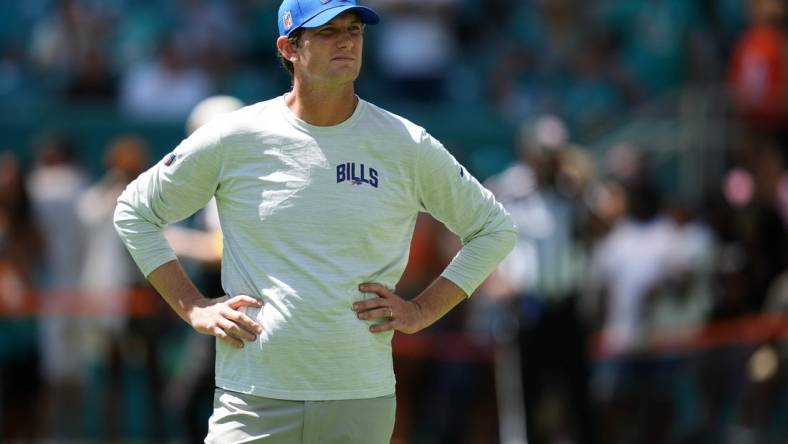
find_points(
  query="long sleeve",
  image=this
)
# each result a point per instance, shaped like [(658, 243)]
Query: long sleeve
[(175, 188), (449, 193)]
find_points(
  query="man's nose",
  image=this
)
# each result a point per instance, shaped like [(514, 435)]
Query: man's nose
[(345, 39)]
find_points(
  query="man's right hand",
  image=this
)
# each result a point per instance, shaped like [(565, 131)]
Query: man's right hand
[(221, 317)]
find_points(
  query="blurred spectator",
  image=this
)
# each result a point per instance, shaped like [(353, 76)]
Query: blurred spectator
[(93, 79), (210, 27), (727, 20), (649, 271), (720, 373), (60, 41), (726, 216), (655, 38), (593, 94), (107, 277), (765, 237), (20, 236), (20, 255), (214, 43), (545, 193), (628, 264), (663, 391), (56, 184), (752, 188), (165, 89), (759, 67), (530, 71), (513, 87), (11, 70), (138, 32), (761, 417), (685, 298), (416, 47)]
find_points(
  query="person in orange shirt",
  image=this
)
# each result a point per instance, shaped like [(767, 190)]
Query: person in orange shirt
[(758, 74)]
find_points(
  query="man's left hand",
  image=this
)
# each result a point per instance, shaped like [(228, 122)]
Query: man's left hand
[(399, 314)]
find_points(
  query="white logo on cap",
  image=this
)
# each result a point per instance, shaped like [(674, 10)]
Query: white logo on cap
[(287, 20), (323, 2)]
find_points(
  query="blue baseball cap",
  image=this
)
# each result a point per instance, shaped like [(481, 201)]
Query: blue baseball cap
[(294, 14)]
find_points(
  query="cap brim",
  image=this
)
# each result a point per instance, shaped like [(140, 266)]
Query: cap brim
[(366, 15)]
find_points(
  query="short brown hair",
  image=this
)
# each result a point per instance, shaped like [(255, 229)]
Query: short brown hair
[(295, 39)]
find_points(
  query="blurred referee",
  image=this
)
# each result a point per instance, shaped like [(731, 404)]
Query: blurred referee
[(317, 193)]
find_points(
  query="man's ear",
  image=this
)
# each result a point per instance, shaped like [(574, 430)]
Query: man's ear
[(286, 48)]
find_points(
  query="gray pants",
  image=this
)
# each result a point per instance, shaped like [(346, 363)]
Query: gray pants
[(240, 418)]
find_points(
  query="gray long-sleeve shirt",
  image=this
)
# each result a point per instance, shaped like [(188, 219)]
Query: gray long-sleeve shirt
[(308, 213)]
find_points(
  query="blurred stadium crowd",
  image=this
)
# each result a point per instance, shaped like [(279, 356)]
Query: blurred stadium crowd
[(645, 301), (583, 61)]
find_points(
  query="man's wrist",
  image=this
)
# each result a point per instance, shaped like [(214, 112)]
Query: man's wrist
[(421, 314), (189, 307), (437, 299)]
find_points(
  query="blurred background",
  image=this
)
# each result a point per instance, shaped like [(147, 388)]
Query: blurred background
[(640, 145)]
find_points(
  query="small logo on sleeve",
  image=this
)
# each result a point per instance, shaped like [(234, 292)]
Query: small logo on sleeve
[(169, 159), (357, 174)]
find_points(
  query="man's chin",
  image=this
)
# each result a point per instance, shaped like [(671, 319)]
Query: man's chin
[(345, 76)]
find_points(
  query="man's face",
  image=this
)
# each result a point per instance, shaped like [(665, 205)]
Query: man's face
[(332, 52)]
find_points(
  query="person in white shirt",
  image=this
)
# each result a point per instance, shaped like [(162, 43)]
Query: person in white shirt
[(317, 192)]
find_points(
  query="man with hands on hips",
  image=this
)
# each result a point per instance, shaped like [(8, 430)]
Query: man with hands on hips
[(318, 193)]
